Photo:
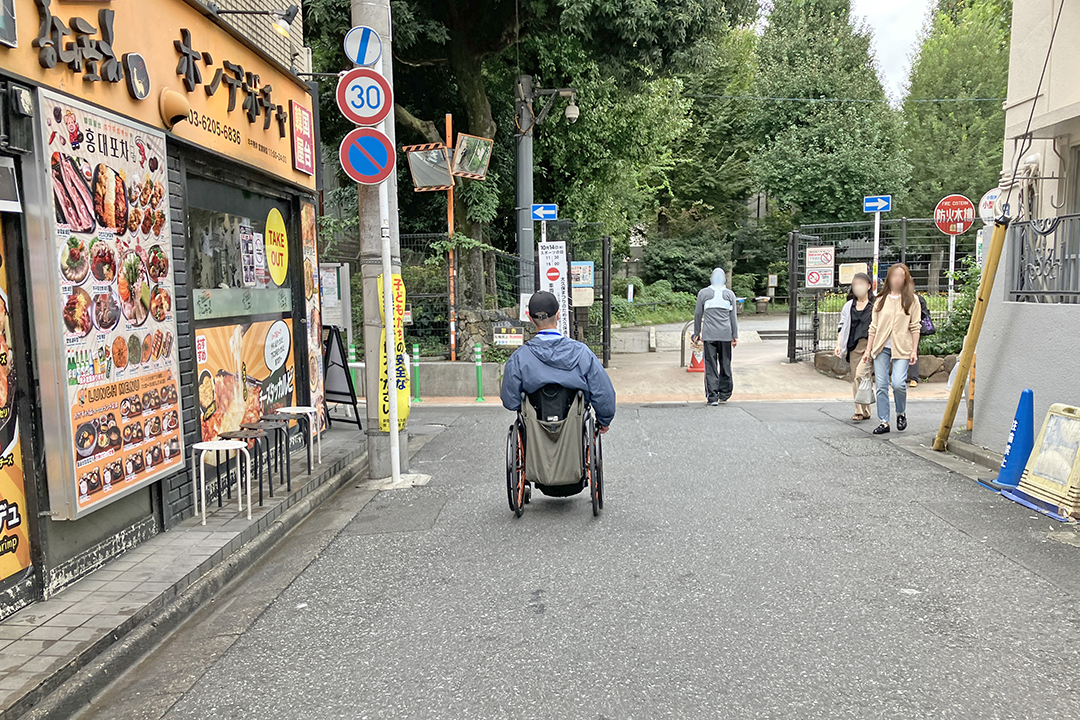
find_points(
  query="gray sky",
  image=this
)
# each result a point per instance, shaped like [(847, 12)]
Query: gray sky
[(896, 25)]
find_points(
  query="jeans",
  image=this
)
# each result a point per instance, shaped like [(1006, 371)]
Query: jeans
[(718, 380), (887, 367)]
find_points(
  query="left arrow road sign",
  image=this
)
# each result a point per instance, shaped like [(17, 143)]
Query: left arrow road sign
[(367, 156), (547, 211)]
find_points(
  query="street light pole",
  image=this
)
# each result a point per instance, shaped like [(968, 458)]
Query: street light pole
[(527, 120), (524, 197)]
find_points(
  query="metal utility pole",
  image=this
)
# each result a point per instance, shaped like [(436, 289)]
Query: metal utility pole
[(381, 455), (527, 120), (524, 166)]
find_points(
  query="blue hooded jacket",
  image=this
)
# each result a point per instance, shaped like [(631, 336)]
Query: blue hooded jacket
[(563, 361)]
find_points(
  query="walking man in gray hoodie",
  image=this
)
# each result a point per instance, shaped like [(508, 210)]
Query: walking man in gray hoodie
[(716, 325)]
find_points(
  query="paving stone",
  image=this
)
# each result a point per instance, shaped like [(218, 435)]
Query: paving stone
[(46, 632)]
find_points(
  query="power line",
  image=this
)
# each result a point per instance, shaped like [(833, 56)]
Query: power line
[(838, 100)]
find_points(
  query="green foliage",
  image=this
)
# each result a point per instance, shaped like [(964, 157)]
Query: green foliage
[(619, 285), (949, 338), (690, 244), (459, 241), (955, 147), (818, 159), (743, 284), (655, 303)]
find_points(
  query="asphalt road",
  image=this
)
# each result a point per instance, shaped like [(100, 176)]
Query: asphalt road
[(764, 560)]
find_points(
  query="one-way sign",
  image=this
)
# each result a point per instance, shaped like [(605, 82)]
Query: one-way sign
[(877, 203), (548, 211)]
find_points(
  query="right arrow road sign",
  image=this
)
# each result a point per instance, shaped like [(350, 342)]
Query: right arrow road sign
[(877, 203)]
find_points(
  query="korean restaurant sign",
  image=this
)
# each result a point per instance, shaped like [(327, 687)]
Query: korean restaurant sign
[(123, 56)]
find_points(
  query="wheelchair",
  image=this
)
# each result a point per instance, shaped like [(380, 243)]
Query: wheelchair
[(554, 444)]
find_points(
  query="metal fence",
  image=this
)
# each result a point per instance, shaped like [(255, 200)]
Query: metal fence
[(815, 314), (426, 272), (1044, 260)]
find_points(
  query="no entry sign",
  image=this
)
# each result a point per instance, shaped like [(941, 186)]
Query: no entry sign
[(364, 96), (367, 156), (553, 274), (954, 215)]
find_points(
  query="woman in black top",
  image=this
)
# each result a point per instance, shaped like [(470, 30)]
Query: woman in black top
[(852, 336)]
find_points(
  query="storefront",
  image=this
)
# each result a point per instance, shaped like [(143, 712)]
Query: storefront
[(158, 269)]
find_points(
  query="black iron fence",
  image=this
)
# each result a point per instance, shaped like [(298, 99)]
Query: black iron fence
[(815, 313), (1044, 260)]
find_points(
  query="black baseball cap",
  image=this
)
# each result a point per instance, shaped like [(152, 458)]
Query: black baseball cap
[(543, 305)]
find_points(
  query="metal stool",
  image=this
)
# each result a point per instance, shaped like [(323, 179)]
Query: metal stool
[(217, 446), (310, 414), (280, 425), (254, 436)]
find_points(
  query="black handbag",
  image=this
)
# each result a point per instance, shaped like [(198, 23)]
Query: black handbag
[(927, 323)]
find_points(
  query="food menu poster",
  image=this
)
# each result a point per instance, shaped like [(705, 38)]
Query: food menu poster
[(113, 257), (14, 532), (313, 296), (245, 372)]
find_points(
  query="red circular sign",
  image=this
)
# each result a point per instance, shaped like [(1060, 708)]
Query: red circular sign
[(954, 215), (367, 156), (364, 96), (553, 274)]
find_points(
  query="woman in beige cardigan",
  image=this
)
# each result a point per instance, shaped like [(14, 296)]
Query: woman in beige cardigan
[(893, 343)]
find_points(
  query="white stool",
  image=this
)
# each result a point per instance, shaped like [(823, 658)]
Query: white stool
[(216, 446), (313, 418)]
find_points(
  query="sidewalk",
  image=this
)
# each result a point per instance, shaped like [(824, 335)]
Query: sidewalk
[(760, 369), (161, 580)]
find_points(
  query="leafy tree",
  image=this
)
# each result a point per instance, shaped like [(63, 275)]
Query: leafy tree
[(955, 147), (820, 157), (686, 249)]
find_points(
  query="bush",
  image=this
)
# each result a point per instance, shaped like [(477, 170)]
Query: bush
[(743, 285), (619, 285), (949, 338)]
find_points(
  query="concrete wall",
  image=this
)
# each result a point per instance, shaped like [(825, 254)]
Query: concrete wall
[(447, 379), (1034, 345), (1023, 345)]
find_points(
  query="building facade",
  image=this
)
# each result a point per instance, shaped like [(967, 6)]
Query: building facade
[(1031, 335), (158, 267)]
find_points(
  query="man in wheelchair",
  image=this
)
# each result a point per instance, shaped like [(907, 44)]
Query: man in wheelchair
[(554, 382)]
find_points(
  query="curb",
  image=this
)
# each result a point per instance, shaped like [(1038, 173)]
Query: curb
[(973, 453), (69, 690)]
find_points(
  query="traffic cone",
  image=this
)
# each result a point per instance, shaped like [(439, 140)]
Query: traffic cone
[(1019, 446), (697, 360)]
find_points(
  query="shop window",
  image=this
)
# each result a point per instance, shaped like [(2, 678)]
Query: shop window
[(235, 238)]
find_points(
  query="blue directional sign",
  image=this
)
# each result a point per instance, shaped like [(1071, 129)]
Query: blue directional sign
[(363, 45), (548, 211), (877, 203)]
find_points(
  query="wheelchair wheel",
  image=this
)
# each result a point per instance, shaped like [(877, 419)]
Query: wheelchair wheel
[(591, 440), (599, 470), (515, 470)]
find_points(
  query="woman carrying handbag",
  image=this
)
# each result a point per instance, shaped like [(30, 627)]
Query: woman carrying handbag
[(852, 339), (893, 343)]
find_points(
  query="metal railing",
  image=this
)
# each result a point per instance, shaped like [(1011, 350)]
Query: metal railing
[(1044, 260)]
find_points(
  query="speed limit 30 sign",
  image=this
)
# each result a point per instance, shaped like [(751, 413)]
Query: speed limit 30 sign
[(364, 96)]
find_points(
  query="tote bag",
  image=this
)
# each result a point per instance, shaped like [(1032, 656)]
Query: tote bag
[(865, 394)]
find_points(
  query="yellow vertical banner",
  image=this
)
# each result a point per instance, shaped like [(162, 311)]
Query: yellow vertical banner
[(401, 367), (14, 531)]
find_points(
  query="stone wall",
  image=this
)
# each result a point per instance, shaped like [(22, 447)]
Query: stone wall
[(475, 326), (931, 368)]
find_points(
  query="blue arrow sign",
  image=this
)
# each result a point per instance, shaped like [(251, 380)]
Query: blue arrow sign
[(877, 203), (549, 211)]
